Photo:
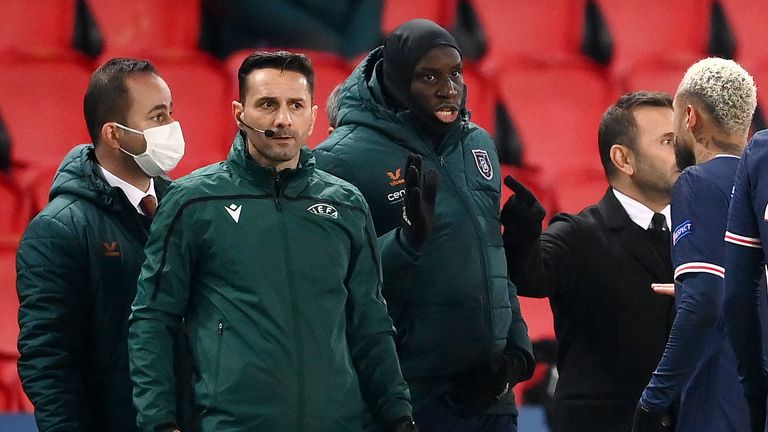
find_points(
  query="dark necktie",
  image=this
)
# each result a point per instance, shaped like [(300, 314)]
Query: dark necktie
[(658, 222), (658, 235), (148, 206)]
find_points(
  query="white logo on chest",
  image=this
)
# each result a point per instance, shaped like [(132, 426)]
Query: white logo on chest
[(326, 210), (234, 211)]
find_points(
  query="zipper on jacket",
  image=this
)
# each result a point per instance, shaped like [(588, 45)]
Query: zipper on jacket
[(217, 368), (487, 294), (301, 402), (278, 185)]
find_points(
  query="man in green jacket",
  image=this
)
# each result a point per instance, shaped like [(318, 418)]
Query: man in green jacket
[(461, 339), (274, 266), (79, 259)]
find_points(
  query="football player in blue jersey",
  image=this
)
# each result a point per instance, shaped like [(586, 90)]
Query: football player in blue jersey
[(744, 264), (713, 110)]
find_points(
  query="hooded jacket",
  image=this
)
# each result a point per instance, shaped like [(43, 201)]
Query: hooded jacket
[(77, 267), (278, 277), (452, 304)]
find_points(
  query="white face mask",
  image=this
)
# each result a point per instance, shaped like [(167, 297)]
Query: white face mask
[(165, 148)]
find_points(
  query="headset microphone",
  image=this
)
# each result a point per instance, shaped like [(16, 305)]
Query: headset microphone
[(269, 133)]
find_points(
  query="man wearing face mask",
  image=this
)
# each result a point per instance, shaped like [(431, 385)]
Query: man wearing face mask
[(403, 126), (274, 266), (79, 259)]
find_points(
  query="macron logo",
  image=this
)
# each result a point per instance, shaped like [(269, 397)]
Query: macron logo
[(324, 210), (234, 211)]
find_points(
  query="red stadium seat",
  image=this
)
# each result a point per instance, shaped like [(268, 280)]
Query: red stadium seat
[(581, 191), (330, 70), (12, 397), (760, 74), (655, 77), (747, 20), (9, 301), (41, 102), (546, 31), (557, 111), (538, 316), (656, 31), (142, 27), (37, 28), (16, 208), (396, 12), (9, 327), (481, 98)]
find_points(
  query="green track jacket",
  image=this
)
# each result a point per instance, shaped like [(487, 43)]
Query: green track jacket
[(278, 278), (453, 304)]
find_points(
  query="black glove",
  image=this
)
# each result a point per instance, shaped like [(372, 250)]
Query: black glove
[(668, 423), (477, 389), (403, 424), (419, 202), (647, 420), (522, 214), (756, 413)]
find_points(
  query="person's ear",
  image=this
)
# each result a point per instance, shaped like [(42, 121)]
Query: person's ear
[(622, 158), (109, 135), (691, 118), (237, 111)]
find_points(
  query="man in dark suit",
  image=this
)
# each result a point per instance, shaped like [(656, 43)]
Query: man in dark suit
[(597, 268)]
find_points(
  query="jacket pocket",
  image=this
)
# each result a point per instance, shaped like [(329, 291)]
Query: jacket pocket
[(217, 363)]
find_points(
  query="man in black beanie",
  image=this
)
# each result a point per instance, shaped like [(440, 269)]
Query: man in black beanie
[(432, 180)]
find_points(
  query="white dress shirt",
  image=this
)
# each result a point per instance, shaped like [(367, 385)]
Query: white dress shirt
[(639, 213), (131, 192)]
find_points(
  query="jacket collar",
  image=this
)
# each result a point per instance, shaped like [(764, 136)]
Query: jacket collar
[(612, 211), (265, 177), (79, 175), (631, 236), (363, 104)]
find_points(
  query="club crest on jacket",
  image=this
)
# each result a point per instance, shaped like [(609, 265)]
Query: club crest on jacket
[(483, 163)]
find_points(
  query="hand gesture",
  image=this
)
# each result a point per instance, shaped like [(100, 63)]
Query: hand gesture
[(522, 214), (419, 202)]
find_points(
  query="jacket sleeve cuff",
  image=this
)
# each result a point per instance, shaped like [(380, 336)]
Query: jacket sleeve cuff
[(395, 250), (523, 365), (413, 255)]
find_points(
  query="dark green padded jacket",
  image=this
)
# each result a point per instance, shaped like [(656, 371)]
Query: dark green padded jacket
[(77, 267), (453, 304), (278, 278)]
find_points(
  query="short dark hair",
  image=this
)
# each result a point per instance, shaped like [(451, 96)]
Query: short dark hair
[(618, 124), (282, 60), (107, 96)]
